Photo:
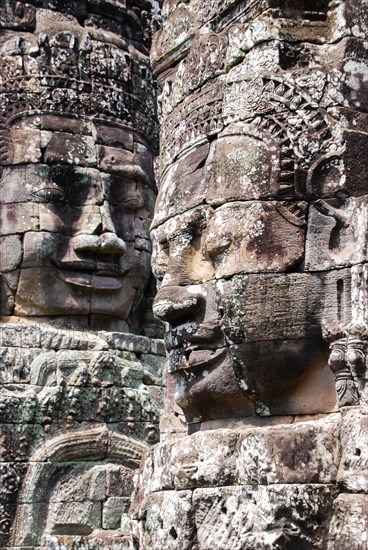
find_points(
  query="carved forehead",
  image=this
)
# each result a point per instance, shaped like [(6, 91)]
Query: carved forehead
[(234, 167), (77, 149)]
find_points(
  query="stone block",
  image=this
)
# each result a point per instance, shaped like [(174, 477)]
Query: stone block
[(8, 286), (10, 252), (254, 237), (337, 302), (15, 364), (6, 297), (35, 296), (112, 512), (201, 460), (336, 235), (169, 521), (66, 148), (80, 185), (18, 183), (349, 524), (153, 366), (18, 218), (128, 342), (70, 220), (306, 388), (114, 136), (303, 452), (353, 469), (236, 159), (63, 123), (73, 518), (143, 157), (184, 186), (278, 306), (25, 146), (142, 227), (354, 157), (261, 517), (278, 454), (119, 481), (38, 246), (115, 160)]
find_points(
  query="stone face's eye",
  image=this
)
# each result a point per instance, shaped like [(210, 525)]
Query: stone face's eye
[(129, 204), (50, 195), (164, 242), (216, 244), (160, 254)]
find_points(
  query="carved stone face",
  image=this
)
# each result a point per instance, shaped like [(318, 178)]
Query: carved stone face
[(242, 321), (81, 231)]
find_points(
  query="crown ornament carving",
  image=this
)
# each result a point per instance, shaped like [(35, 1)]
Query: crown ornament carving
[(71, 67)]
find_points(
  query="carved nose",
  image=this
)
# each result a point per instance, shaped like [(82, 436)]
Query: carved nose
[(111, 244), (107, 243), (174, 304)]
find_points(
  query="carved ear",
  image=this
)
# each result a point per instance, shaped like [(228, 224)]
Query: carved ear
[(64, 39), (6, 149), (324, 177)]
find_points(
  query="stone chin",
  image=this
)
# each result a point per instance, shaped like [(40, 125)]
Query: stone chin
[(210, 391), (255, 379), (47, 291)]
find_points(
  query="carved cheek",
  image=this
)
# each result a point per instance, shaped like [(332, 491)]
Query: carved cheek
[(253, 237)]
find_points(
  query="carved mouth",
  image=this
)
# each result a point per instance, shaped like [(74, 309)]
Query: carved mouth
[(207, 335), (92, 275), (192, 358)]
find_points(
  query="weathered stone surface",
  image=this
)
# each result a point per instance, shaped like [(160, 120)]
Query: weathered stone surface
[(113, 510), (349, 526), (304, 452), (25, 146), (353, 470), (235, 519), (173, 528), (246, 517), (10, 253), (18, 218), (333, 225)]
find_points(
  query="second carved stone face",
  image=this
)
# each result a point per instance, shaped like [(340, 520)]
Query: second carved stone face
[(243, 321), (81, 232)]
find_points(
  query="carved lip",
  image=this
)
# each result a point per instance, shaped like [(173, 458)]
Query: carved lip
[(198, 336), (193, 346), (92, 275), (193, 358)]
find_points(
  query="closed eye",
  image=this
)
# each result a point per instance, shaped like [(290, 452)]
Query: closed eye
[(50, 195), (130, 204), (217, 244)]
